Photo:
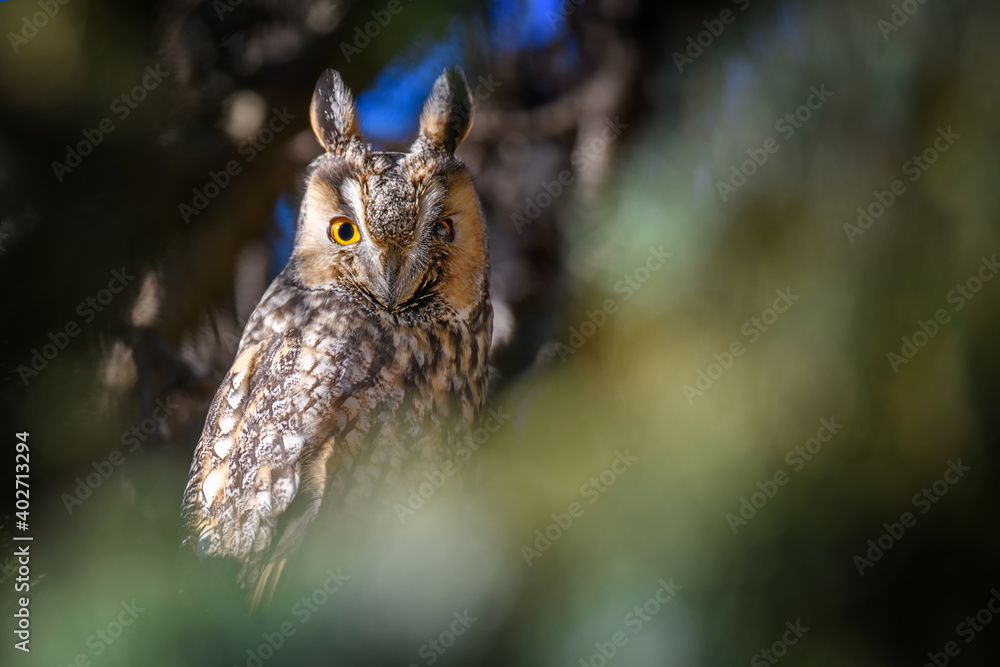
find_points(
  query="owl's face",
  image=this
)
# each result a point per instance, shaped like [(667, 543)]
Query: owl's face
[(402, 232)]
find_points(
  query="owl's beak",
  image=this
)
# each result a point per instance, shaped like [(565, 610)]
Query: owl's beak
[(398, 282)]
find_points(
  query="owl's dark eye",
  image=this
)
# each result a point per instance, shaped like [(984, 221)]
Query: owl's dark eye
[(444, 230), (343, 231)]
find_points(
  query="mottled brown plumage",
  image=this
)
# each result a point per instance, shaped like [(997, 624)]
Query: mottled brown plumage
[(366, 359)]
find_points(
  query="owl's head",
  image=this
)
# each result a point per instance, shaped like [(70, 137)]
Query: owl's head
[(402, 232)]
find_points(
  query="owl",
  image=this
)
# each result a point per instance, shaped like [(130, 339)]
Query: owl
[(366, 357)]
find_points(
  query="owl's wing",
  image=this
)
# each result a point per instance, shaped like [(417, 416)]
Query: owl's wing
[(256, 457)]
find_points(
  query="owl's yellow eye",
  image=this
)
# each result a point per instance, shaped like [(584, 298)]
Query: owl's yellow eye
[(344, 232), (444, 230)]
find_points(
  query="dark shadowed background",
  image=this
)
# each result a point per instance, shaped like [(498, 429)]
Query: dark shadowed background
[(746, 349)]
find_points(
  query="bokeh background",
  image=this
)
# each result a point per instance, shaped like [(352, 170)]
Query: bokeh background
[(620, 296)]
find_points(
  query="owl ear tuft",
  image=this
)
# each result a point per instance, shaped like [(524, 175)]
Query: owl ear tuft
[(332, 114), (447, 115)]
